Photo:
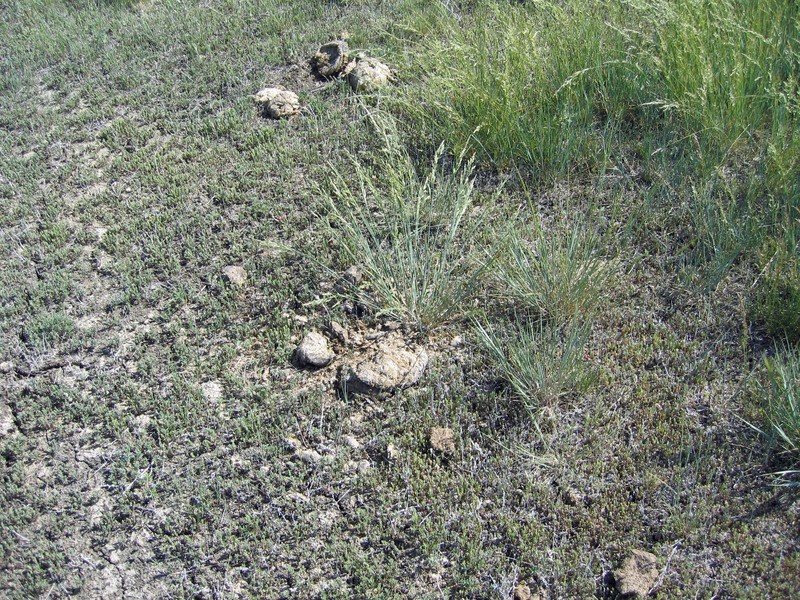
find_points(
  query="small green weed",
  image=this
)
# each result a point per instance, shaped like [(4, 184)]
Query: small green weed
[(46, 330)]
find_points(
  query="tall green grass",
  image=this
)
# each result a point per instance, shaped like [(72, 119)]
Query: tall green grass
[(537, 83), (704, 96), (519, 84), (726, 67)]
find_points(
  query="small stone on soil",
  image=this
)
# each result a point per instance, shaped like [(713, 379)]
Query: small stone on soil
[(311, 457), (392, 452), (441, 439), (297, 497), (354, 274), (337, 332), (313, 351), (351, 441), (7, 426), (235, 275)]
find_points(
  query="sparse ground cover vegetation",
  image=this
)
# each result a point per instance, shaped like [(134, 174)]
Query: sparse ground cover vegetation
[(586, 214)]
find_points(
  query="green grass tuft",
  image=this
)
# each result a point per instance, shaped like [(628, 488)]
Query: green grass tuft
[(413, 234), (541, 362), (782, 403), (555, 273)]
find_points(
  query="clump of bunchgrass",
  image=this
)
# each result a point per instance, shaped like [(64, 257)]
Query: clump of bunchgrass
[(541, 361), (556, 274), (412, 234), (776, 300), (782, 402)]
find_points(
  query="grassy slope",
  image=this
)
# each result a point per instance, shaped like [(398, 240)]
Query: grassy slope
[(135, 167)]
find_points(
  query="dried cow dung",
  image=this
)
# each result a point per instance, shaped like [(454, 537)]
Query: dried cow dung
[(331, 58), (277, 102), (383, 371), (368, 74)]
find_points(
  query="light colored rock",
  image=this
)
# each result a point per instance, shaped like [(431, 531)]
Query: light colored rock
[(383, 371), (360, 467), (212, 390), (442, 440), (277, 102), (297, 497), (331, 58), (354, 274), (392, 453), (313, 351), (351, 441), (235, 275), (141, 423), (7, 426), (311, 457), (368, 75), (522, 592), (637, 575)]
